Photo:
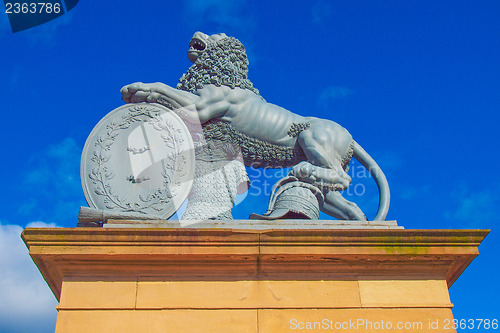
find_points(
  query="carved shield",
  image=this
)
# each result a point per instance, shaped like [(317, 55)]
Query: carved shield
[(138, 160)]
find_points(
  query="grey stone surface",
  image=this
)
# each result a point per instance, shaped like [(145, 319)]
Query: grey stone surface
[(215, 186), (138, 162), (216, 93), (292, 199), (257, 224)]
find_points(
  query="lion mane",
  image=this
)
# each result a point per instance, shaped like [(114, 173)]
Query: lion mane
[(224, 62)]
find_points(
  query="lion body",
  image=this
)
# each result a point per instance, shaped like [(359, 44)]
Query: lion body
[(233, 113), (268, 126), (232, 110)]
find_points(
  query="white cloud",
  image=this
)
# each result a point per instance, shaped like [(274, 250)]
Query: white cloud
[(332, 93), (27, 304), (40, 224)]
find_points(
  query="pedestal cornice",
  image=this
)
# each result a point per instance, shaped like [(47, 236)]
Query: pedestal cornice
[(132, 254)]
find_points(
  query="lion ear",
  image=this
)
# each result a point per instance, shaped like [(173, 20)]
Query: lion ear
[(218, 37)]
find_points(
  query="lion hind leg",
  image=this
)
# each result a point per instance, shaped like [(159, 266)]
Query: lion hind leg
[(337, 206), (323, 143), (324, 178)]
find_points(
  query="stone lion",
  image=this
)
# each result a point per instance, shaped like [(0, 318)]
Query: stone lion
[(216, 90)]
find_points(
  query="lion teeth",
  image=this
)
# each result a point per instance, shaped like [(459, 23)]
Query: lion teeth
[(197, 44)]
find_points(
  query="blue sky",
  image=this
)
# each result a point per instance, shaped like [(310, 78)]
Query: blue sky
[(415, 82)]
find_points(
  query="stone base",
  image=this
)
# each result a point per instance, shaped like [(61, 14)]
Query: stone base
[(221, 280), (254, 224)]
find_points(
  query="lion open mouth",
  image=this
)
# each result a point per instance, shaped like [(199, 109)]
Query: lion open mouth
[(197, 45)]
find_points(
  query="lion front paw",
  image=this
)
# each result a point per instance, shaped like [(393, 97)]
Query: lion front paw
[(134, 93), (141, 92)]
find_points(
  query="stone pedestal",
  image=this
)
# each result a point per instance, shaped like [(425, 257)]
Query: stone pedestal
[(228, 280)]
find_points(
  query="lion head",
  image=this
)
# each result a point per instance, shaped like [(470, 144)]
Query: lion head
[(218, 60)]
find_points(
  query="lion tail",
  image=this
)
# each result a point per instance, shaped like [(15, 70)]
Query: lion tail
[(383, 186)]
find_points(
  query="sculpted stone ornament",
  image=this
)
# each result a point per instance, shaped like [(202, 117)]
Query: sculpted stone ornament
[(137, 163), (216, 92), (292, 199)]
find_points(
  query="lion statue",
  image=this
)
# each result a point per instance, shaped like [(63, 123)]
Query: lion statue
[(216, 92)]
